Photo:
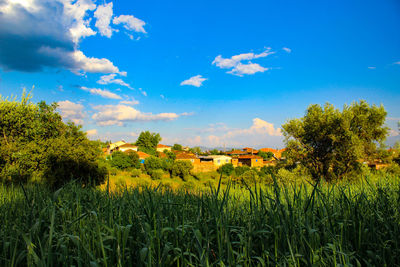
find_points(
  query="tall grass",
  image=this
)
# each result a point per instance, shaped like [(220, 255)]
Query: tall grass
[(321, 225)]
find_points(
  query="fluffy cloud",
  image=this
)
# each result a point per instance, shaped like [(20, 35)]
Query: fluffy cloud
[(260, 133), (130, 102), (103, 93), (195, 81), (237, 67), (103, 14), (37, 34), (71, 111), (130, 23), (106, 115), (288, 50), (108, 79), (248, 69)]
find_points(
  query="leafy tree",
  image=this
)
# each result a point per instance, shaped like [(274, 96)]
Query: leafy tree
[(171, 155), (36, 146), (147, 142), (182, 168), (249, 177), (123, 160), (154, 163), (226, 169), (330, 142), (215, 152), (239, 170), (177, 147), (266, 155), (195, 150)]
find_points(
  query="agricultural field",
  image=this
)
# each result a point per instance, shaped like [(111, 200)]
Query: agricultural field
[(343, 224)]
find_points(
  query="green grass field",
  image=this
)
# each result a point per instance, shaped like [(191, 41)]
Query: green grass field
[(326, 225)]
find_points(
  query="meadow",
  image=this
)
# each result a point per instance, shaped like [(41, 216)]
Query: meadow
[(344, 224)]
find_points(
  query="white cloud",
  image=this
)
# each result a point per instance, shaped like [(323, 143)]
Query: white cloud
[(195, 81), (92, 132), (130, 23), (130, 102), (103, 93), (71, 111), (108, 79), (38, 34), (288, 50), (237, 67), (103, 14), (248, 69), (92, 64), (162, 96), (260, 133), (106, 115), (397, 63), (371, 68)]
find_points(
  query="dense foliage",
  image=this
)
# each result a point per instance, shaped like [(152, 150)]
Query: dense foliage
[(226, 169), (35, 145), (343, 225), (181, 168), (124, 160), (147, 142), (333, 143)]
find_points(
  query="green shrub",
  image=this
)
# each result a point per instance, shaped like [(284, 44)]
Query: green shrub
[(123, 161), (182, 169), (136, 173), (249, 177), (239, 170), (226, 169), (157, 174)]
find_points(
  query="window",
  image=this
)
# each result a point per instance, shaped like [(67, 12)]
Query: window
[(219, 161), (256, 160), (226, 160)]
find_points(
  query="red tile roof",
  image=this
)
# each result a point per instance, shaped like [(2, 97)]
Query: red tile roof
[(249, 157), (143, 155), (162, 146), (186, 156)]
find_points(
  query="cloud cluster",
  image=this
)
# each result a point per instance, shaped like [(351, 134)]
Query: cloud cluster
[(38, 34), (71, 111), (108, 79), (120, 114), (260, 133), (194, 81), (237, 67), (103, 93)]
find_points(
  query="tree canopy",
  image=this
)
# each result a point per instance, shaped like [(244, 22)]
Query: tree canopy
[(147, 142), (35, 145), (331, 143)]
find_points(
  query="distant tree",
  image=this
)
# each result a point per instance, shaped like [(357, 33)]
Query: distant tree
[(195, 150), (226, 169), (177, 147), (170, 155), (330, 142), (265, 155), (147, 142), (182, 168), (215, 152)]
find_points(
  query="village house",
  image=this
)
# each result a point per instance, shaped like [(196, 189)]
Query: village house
[(251, 160), (126, 148), (161, 148), (277, 152), (218, 160), (236, 152), (112, 147), (250, 150), (188, 156)]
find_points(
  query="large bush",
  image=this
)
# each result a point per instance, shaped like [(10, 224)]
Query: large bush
[(226, 169), (124, 161), (181, 168), (35, 145)]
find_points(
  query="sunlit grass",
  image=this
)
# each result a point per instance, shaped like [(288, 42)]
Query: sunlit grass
[(303, 224)]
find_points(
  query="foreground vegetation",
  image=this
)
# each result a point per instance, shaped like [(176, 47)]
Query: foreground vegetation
[(324, 225)]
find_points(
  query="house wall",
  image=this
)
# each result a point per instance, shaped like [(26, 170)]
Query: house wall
[(161, 149), (123, 149), (221, 161), (257, 162), (204, 166)]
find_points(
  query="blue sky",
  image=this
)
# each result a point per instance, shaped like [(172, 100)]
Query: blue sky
[(208, 73)]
